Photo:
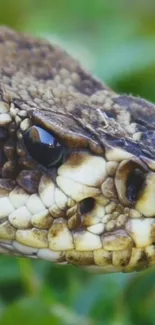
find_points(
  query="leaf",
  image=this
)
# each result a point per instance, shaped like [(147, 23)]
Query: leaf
[(29, 312)]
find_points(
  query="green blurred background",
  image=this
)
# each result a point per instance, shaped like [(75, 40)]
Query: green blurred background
[(116, 41)]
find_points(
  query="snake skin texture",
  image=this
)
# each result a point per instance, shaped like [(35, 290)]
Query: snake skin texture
[(97, 209)]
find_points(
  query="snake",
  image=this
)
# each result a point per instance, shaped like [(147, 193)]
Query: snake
[(77, 162)]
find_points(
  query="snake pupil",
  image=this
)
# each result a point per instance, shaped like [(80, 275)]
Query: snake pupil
[(134, 184), (43, 147)]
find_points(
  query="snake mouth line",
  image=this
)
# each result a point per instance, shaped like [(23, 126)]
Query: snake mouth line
[(100, 260)]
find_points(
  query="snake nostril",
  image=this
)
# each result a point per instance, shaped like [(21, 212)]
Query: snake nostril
[(86, 205)]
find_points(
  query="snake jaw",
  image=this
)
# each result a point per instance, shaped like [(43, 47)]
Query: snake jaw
[(51, 224)]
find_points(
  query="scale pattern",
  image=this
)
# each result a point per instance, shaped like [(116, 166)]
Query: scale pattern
[(79, 213)]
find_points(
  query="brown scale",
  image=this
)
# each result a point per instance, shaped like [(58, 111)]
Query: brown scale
[(80, 258), (10, 149), (29, 180), (12, 129), (3, 157), (27, 163), (21, 149), (10, 169), (7, 168), (6, 186), (74, 218), (20, 162), (24, 160)]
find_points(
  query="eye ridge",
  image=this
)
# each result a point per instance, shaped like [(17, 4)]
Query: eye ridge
[(43, 146), (134, 184)]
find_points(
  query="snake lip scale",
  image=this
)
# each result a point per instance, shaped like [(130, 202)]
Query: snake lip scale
[(77, 162)]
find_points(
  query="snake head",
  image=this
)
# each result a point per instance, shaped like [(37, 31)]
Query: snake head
[(83, 196), (77, 163)]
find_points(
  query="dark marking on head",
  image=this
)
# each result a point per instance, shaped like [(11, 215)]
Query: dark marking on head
[(10, 169), (87, 85), (9, 149), (142, 112), (3, 158), (3, 133), (123, 143), (6, 185), (111, 113), (29, 180), (76, 158), (148, 143)]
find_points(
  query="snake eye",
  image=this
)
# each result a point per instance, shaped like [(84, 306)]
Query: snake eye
[(129, 180), (43, 147)]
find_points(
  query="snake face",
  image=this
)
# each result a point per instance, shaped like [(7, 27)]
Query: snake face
[(70, 202), (77, 163)]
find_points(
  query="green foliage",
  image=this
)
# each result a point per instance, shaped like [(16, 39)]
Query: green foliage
[(116, 41)]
